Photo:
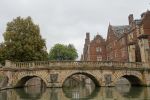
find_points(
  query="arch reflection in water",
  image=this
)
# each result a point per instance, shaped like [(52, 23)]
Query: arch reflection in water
[(81, 92), (125, 86), (103, 93), (32, 87), (32, 92), (80, 86), (128, 91)]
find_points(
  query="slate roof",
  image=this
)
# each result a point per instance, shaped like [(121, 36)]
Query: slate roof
[(120, 30)]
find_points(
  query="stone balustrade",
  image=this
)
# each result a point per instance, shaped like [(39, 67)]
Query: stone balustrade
[(80, 64)]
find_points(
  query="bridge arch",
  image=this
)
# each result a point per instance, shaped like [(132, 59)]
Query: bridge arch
[(89, 75), (21, 81), (4, 80), (134, 77)]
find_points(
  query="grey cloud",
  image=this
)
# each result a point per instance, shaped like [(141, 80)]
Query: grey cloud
[(67, 21)]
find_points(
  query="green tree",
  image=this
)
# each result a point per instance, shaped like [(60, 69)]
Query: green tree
[(63, 52), (2, 53), (23, 41)]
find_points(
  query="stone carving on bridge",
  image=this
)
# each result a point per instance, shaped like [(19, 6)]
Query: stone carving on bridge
[(53, 78)]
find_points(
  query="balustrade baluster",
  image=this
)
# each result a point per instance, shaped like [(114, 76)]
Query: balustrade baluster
[(40, 64)]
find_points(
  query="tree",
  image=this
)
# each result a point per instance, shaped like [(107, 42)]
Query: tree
[(2, 53), (63, 52), (23, 41)]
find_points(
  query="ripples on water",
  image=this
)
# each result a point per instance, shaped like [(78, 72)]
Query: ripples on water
[(124, 92)]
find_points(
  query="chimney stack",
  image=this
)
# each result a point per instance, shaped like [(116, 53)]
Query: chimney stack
[(130, 18), (87, 39)]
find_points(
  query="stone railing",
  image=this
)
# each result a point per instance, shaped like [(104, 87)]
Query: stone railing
[(68, 64)]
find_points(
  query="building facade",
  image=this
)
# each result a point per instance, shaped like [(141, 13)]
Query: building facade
[(125, 43), (139, 38), (94, 50), (116, 45)]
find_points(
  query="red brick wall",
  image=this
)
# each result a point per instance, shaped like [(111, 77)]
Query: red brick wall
[(90, 52), (116, 48)]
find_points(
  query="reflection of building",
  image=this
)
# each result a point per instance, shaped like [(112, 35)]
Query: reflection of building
[(124, 43)]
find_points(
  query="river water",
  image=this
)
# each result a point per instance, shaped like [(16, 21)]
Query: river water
[(124, 92)]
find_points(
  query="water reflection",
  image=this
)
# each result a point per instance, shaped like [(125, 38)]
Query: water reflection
[(79, 93), (33, 92), (127, 90), (54, 94)]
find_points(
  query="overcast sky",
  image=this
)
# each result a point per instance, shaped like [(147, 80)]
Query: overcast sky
[(67, 21)]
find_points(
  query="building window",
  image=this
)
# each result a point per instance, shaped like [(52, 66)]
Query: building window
[(131, 37), (108, 57), (142, 31), (123, 41), (123, 52), (99, 58), (111, 56), (110, 48), (116, 54), (98, 49)]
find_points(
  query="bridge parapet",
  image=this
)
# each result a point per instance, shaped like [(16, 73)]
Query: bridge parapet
[(80, 64)]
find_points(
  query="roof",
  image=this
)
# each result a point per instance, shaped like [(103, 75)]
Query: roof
[(98, 37), (120, 30)]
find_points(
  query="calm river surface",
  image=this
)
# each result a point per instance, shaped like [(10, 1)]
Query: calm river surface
[(78, 93)]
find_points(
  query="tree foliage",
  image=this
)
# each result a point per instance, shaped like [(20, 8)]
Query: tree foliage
[(63, 52), (2, 53), (23, 42)]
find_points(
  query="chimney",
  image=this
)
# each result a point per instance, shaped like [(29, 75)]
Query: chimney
[(87, 39), (130, 18), (87, 35)]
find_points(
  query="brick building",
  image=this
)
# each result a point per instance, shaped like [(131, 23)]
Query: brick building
[(127, 43), (94, 50), (139, 38), (116, 45)]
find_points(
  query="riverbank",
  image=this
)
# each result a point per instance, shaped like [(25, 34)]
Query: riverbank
[(5, 88)]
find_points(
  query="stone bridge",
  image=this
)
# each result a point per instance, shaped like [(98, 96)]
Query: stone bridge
[(54, 73)]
